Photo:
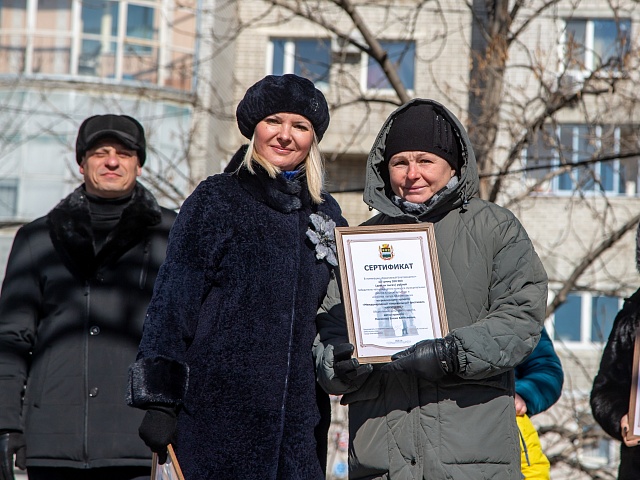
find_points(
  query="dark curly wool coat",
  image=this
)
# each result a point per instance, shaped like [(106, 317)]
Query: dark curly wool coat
[(70, 323), (612, 385), (230, 329)]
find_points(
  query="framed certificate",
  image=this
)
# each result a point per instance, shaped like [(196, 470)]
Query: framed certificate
[(169, 470), (391, 286), (634, 401)]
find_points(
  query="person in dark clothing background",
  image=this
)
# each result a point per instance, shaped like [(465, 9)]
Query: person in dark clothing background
[(612, 385), (77, 285)]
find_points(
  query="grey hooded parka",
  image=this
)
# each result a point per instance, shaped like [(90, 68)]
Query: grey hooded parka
[(495, 288)]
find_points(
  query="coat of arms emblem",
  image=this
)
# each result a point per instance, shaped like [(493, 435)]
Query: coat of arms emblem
[(386, 251)]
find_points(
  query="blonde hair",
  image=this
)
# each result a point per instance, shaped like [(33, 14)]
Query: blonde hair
[(313, 166)]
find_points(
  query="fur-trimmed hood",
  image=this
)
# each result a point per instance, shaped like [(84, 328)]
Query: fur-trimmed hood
[(70, 229)]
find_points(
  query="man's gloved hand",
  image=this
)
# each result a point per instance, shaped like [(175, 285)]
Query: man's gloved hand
[(158, 429), (347, 368), (428, 359), (11, 443)]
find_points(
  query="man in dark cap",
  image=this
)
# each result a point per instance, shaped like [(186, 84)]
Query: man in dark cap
[(72, 305)]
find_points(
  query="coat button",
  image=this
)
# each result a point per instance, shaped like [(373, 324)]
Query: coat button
[(95, 330), (413, 461), (93, 392)]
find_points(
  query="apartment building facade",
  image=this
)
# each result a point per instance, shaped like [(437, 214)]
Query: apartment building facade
[(64, 60)]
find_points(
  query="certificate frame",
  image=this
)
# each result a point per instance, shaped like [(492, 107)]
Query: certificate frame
[(169, 470), (634, 401), (379, 322)]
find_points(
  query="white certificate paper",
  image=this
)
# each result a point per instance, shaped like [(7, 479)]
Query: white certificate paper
[(391, 287), (634, 400)]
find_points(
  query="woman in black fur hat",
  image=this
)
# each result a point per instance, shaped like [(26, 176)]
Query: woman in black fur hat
[(612, 385), (224, 368)]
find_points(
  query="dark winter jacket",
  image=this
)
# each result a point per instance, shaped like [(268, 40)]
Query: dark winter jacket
[(230, 328), (495, 291), (70, 324), (540, 377), (612, 385)]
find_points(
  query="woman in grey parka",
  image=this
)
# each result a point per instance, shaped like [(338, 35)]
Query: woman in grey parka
[(444, 408)]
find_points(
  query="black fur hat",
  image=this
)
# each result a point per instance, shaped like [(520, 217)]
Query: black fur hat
[(122, 127), (282, 93)]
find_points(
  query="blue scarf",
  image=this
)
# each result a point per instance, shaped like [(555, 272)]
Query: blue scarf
[(290, 175)]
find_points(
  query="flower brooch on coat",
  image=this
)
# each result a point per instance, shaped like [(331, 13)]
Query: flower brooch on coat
[(322, 235)]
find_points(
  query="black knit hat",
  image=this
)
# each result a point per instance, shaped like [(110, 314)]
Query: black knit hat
[(422, 128), (286, 93), (122, 127)]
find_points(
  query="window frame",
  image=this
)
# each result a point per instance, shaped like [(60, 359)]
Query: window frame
[(615, 170), (586, 321), (289, 57), (159, 49), (590, 42), (364, 68), (123, 42), (12, 186)]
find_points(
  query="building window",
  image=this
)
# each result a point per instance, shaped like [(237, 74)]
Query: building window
[(8, 198), (109, 51), (140, 40), (585, 318), (577, 157), (597, 43), (309, 58), (601, 452), (141, 28), (402, 55)]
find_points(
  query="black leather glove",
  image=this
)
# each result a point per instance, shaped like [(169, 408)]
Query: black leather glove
[(348, 369), (158, 429), (428, 359), (11, 443)]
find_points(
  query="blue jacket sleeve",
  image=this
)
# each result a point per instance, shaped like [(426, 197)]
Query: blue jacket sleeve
[(539, 378)]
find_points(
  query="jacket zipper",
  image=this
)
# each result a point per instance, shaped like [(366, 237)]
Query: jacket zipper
[(145, 264), (286, 380), (85, 445)]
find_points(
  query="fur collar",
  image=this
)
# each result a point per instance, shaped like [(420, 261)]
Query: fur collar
[(283, 195), (70, 230)]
